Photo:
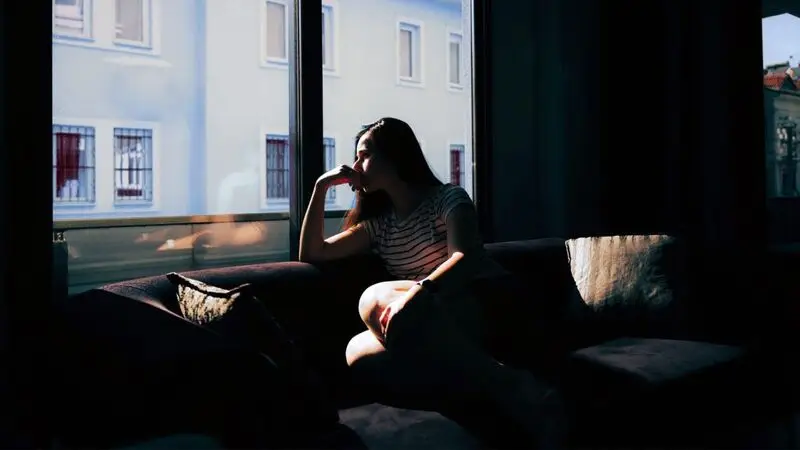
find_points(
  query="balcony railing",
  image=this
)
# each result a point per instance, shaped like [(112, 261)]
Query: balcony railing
[(102, 251)]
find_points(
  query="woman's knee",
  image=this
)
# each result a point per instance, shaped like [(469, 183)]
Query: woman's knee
[(376, 297)]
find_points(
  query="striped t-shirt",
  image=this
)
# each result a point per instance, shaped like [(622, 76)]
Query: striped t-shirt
[(415, 246)]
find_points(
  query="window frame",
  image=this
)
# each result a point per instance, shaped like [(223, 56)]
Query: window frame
[(462, 151), (104, 183), (330, 49), (147, 28), (417, 29), (91, 198), (100, 26), (153, 174), (67, 17), (457, 37), (273, 61)]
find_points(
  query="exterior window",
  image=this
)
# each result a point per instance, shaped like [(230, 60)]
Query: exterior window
[(277, 167), (132, 21), (409, 52), (69, 17), (275, 28), (330, 161), (73, 164), (454, 60), (133, 165), (328, 56), (457, 165)]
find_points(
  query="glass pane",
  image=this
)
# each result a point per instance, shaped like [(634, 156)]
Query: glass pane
[(781, 35), (406, 45), (455, 60), (276, 30), (370, 89), (130, 17), (150, 144)]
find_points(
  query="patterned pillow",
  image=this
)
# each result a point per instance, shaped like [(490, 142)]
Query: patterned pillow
[(636, 281), (239, 315)]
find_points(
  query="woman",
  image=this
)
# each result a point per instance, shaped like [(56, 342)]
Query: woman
[(424, 330)]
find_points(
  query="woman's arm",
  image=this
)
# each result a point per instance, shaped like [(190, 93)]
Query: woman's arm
[(313, 245)]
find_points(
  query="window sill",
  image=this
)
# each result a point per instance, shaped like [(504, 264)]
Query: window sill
[(411, 83), (114, 46), (458, 88), (275, 64)]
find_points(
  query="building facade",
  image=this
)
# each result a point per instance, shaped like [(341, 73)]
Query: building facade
[(180, 107)]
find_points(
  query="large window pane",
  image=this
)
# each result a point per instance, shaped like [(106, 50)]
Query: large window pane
[(781, 49), (417, 70), (781, 87), (173, 109)]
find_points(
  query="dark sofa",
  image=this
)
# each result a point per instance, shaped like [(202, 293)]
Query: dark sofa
[(686, 373)]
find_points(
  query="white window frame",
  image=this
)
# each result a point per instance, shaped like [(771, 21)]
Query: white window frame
[(78, 203), (455, 36), (100, 31), (271, 61), (104, 169), (72, 20), (330, 11), (147, 29), (282, 204), (417, 29), (142, 186)]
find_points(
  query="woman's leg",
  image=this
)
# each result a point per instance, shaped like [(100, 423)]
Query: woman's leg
[(433, 350)]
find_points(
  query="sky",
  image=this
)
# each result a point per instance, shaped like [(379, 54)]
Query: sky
[(780, 38)]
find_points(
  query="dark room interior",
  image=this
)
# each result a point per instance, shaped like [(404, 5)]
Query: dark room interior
[(634, 141)]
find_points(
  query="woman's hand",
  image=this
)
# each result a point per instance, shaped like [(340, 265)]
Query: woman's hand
[(340, 175), (417, 294)]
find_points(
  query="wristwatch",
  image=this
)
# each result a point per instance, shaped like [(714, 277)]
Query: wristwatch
[(428, 285)]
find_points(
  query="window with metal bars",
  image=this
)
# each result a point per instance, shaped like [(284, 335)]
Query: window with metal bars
[(133, 165), (457, 165), (278, 166), (330, 162), (73, 164)]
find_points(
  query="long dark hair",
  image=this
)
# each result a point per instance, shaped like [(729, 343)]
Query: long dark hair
[(394, 140)]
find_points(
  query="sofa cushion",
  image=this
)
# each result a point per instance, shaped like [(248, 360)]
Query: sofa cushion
[(655, 362), (632, 284), (239, 315)]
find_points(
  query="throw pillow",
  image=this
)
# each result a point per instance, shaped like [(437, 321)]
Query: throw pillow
[(633, 281), (239, 315)]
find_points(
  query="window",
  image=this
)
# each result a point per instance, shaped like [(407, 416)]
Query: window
[(69, 17), (409, 52), (277, 168), (454, 60), (781, 51), (329, 145), (132, 17), (328, 37), (73, 164), (118, 25), (133, 165), (457, 165), (440, 122), (275, 28)]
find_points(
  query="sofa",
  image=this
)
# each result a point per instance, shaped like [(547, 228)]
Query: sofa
[(650, 339)]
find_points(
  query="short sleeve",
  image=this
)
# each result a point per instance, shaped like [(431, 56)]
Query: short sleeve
[(372, 227), (450, 197)]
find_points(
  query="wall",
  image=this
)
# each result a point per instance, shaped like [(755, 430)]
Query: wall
[(102, 87)]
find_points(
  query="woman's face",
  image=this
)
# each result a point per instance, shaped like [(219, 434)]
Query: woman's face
[(376, 172)]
